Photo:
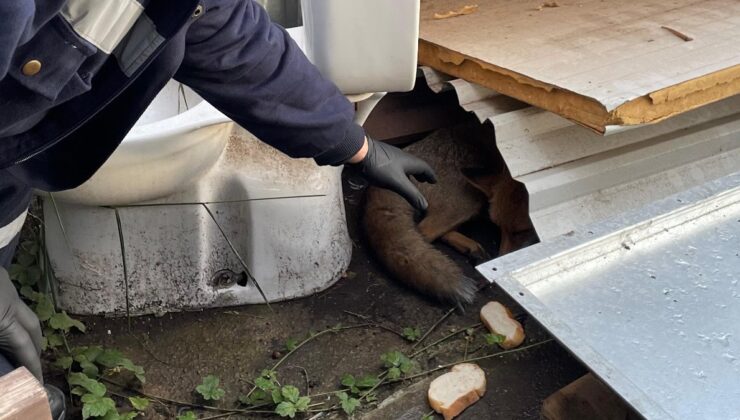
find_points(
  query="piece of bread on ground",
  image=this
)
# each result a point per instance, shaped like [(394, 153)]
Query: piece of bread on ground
[(497, 318), (453, 392)]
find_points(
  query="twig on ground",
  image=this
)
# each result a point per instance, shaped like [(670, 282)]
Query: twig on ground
[(681, 35), (376, 323), (176, 402), (433, 327), (443, 339), (305, 374), (307, 340), (474, 359)]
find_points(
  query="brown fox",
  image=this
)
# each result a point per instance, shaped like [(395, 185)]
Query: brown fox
[(470, 175)]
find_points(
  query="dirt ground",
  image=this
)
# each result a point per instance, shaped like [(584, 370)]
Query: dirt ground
[(236, 343)]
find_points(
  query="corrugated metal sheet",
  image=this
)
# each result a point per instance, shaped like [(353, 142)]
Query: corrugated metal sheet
[(576, 177)]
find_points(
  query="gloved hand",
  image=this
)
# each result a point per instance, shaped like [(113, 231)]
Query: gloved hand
[(20, 331), (389, 167)]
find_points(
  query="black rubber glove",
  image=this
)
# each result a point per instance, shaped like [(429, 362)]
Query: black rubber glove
[(20, 331), (389, 167)]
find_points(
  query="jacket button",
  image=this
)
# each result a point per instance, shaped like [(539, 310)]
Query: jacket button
[(31, 68), (198, 11)]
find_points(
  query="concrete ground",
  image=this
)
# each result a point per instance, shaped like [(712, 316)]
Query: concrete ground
[(236, 343)]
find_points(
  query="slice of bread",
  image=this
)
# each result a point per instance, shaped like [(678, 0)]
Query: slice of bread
[(497, 318), (453, 392)]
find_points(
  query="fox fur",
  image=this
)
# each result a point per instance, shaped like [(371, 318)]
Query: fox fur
[(470, 176)]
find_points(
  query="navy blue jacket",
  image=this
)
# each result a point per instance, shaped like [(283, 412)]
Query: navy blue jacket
[(59, 125)]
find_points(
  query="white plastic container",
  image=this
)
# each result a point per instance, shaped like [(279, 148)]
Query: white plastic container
[(363, 45)]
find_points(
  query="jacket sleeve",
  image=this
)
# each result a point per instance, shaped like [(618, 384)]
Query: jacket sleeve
[(252, 71), (16, 19)]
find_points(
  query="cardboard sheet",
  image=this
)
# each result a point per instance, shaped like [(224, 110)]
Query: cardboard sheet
[(599, 63)]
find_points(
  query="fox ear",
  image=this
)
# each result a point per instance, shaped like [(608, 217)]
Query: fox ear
[(482, 179)]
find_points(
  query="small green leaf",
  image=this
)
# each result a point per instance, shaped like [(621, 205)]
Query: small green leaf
[(397, 363), (62, 321), (257, 396), (44, 308), (139, 403), (349, 405), (285, 409), (28, 293), (96, 405), (209, 388), (64, 362), (302, 404), (114, 415), (188, 415), (137, 370), (33, 274), (79, 391), (392, 358), (411, 334), (265, 384), (54, 340), (348, 380), (109, 358), (86, 353), (277, 396), (492, 339), (91, 385), (427, 417), (291, 344), (15, 270), (367, 381), (290, 393), (406, 366), (26, 259), (89, 368)]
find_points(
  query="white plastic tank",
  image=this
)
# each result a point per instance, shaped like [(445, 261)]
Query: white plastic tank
[(363, 45)]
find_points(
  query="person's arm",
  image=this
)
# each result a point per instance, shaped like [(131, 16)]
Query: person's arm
[(252, 71)]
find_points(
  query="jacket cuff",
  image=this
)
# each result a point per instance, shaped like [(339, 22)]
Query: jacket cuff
[(353, 140)]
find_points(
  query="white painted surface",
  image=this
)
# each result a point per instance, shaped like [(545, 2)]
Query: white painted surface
[(363, 46)]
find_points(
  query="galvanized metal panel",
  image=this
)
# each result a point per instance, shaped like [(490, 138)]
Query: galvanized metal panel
[(649, 300)]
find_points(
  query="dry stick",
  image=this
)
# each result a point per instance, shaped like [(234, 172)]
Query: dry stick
[(475, 359), (436, 324), (375, 323), (302, 343), (305, 373), (175, 402), (154, 356), (443, 339), (678, 34)]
